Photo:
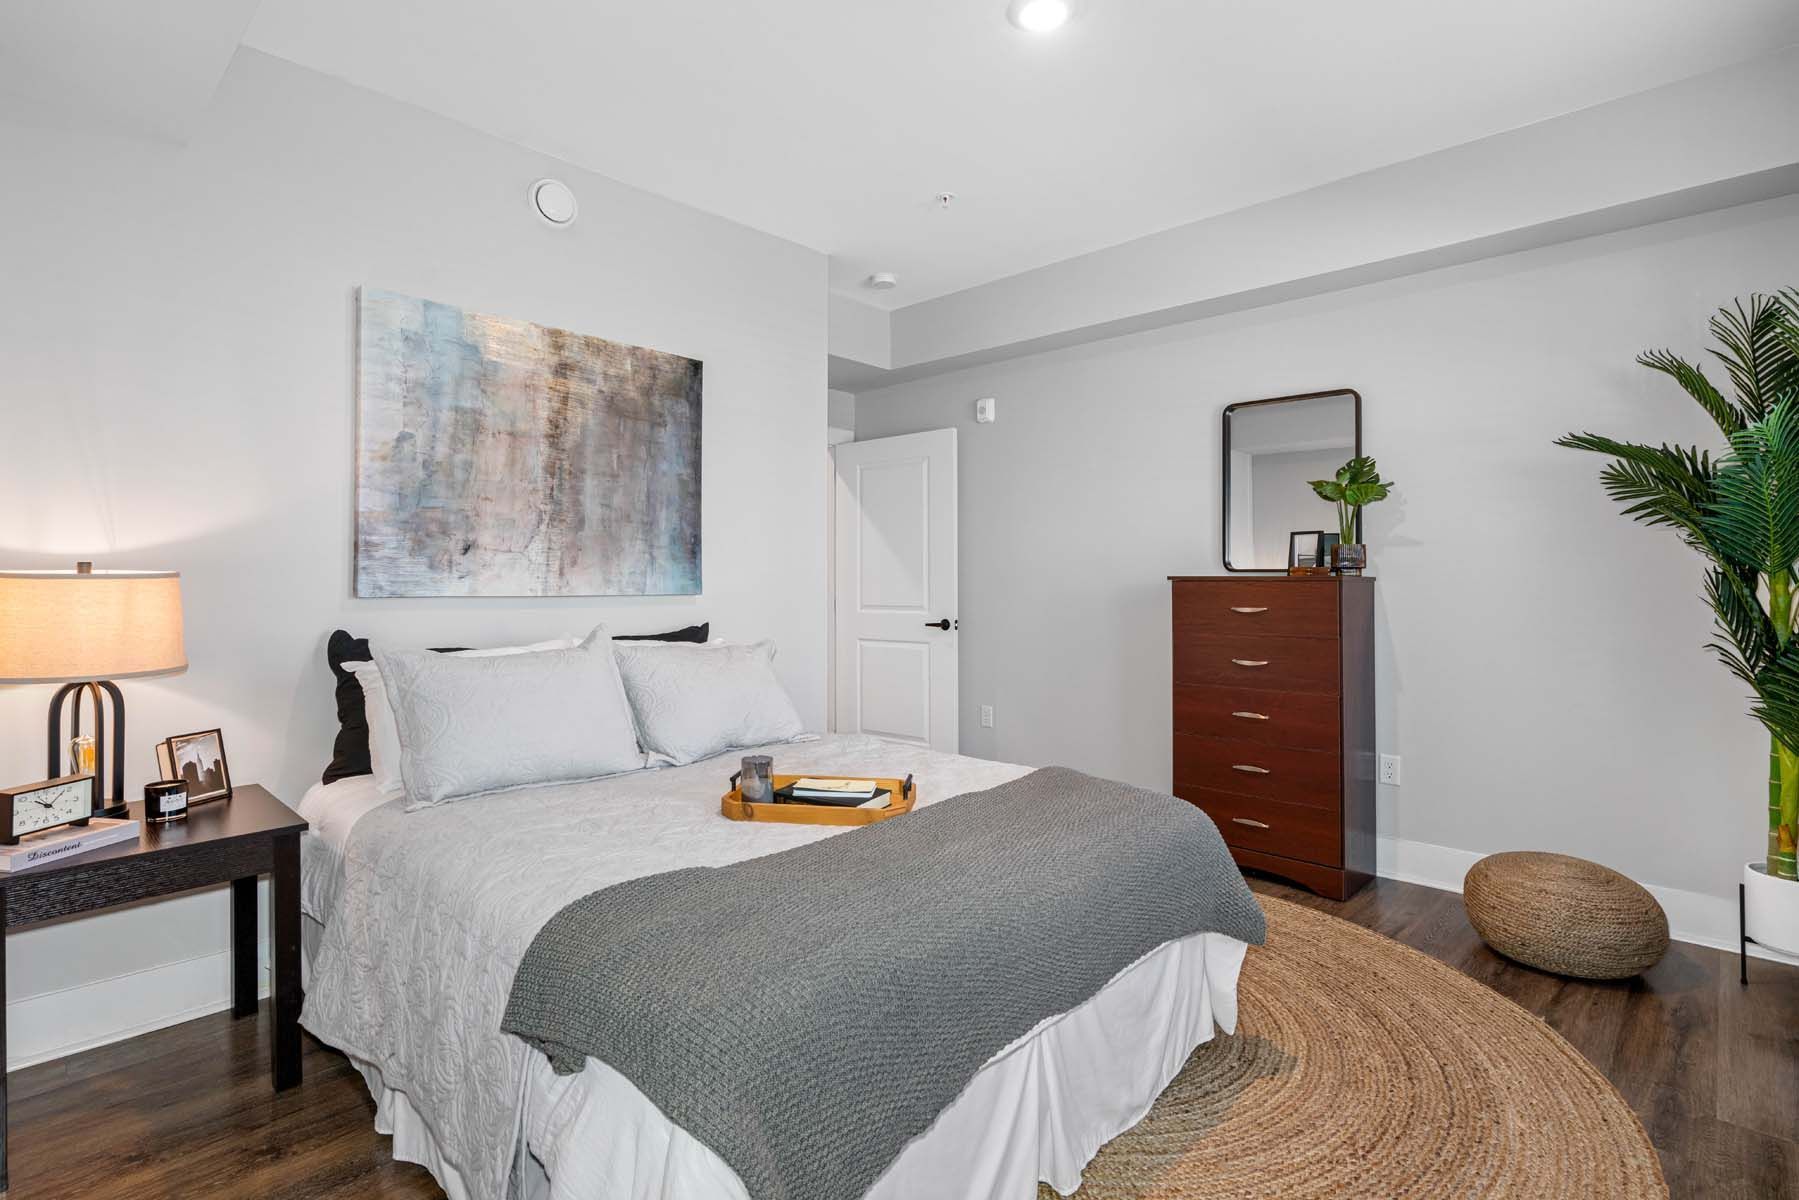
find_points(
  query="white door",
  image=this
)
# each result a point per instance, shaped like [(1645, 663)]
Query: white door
[(895, 589)]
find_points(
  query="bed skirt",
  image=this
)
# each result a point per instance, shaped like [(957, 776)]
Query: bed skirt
[(1039, 1110)]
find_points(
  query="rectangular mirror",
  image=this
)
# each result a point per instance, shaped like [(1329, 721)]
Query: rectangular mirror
[(1272, 450)]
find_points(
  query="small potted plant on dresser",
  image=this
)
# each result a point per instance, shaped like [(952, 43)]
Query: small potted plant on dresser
[(1740, 511), (1357, 483)]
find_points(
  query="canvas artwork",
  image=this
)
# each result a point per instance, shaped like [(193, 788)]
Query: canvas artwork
[(501, 458)]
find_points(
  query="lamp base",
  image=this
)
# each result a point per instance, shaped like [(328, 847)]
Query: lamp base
[(106, 805)]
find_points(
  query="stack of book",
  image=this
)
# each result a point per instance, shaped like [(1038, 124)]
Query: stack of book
[(36, 849), (860, 793)]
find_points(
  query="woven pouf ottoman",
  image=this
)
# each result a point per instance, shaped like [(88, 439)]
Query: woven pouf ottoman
[(1565, 915)]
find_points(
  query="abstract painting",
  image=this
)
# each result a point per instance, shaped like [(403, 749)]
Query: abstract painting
[(501, 458)]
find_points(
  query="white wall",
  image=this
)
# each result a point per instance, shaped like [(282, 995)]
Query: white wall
[(859, 332), (840, 414), (840, 427), (176, 391), (1541, 662)]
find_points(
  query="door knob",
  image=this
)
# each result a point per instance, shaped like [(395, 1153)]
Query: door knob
[(943, 624)]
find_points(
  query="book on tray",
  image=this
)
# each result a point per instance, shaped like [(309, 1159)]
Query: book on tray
[(858, 793)]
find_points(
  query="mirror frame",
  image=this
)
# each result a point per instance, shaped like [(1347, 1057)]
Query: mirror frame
[(1224, 530)]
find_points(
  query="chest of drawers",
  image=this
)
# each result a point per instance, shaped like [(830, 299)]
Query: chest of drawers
[(1273, 716)]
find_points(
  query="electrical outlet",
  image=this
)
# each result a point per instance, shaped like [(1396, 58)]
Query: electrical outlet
[(1389, 769), (986, 716)]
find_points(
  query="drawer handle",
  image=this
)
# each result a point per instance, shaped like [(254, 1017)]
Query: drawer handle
[(1250, 823), (1249, 716), (1249, 770), (1250, 662), (1248, 608)]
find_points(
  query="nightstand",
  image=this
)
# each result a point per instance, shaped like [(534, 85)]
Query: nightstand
[(227, 841)]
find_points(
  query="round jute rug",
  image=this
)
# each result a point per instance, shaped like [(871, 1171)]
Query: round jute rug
[(1362, 1068)]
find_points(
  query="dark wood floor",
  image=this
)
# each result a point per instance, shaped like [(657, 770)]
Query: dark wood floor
[(1712, 1068)]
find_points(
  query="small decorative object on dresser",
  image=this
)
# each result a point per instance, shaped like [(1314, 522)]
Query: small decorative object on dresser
[(198, 760), (1274, 721), (1309, 552), (1357, 484)]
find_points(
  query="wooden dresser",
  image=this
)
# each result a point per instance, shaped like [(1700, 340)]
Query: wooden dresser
[(1274, 721)]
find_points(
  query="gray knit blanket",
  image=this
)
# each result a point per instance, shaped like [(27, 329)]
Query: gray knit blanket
[(808, 1013)]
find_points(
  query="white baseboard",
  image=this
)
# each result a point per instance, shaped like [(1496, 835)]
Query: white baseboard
[(1693, 917), (54, 1024)]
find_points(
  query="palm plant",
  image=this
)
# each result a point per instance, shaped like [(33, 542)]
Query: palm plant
[(1358, 482), (1741, 512)]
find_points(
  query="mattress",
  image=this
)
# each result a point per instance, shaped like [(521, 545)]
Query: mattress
[(1038, 1110)]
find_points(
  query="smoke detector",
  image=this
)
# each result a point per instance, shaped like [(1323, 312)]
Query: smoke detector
[(882, 281), (554, 202)]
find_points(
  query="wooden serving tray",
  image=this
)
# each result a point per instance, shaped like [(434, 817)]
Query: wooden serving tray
[(904, 792)]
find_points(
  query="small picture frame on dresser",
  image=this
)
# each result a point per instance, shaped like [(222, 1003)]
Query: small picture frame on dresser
[(1309, 552), (198, 759)]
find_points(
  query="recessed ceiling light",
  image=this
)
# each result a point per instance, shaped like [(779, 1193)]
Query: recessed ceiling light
[(1039, 16), (882, 281)]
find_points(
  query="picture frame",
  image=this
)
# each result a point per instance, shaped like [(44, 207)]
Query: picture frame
[(199, 760), (1303, 547), (1309, 551)]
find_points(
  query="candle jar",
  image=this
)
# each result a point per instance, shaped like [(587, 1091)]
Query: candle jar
[(756, 784), (165, 801)]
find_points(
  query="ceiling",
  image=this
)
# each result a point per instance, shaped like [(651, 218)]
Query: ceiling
[(833, 123), (145, 68)]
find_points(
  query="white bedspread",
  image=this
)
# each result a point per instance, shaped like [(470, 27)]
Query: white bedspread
[(421, 940)]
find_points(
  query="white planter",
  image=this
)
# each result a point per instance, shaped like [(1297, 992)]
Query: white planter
[(1771, 909)]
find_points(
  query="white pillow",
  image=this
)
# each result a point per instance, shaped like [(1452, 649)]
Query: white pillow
[(384, 738), (475, 724), (693, 701)]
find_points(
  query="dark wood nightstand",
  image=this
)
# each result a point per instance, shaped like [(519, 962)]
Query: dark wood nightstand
[(227, 841)]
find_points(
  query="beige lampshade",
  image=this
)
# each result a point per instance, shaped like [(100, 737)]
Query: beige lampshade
[(61, 626)]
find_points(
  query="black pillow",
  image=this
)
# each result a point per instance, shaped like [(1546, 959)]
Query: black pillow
[(350, 750), (693, 633)]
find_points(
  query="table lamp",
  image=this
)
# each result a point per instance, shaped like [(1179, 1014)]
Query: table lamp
[(83, 629)]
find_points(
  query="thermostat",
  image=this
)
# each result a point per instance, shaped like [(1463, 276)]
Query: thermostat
[(983, 410)]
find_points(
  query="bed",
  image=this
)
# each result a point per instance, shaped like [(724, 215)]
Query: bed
[(411, 949)]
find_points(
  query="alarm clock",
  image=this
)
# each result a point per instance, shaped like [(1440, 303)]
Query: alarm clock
[(32, 807)]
